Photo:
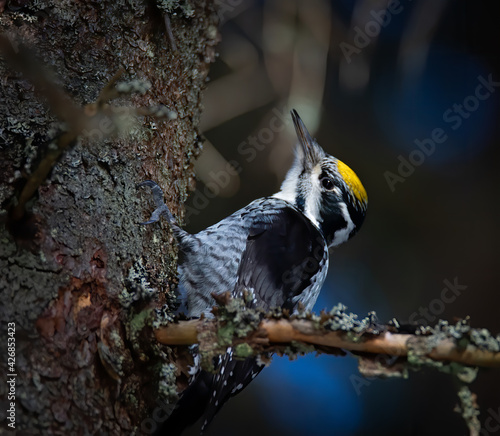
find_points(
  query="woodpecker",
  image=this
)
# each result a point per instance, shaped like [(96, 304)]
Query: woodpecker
[(276, 249)]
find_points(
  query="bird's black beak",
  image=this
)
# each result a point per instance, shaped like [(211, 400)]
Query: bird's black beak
[(306, 141)]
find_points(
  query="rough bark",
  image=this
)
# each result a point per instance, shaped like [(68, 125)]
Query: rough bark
[(79, 276)]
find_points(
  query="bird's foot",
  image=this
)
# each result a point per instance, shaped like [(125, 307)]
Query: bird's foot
[(161, 207)]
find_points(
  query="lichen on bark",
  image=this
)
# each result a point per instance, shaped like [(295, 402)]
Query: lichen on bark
[(78, 271)]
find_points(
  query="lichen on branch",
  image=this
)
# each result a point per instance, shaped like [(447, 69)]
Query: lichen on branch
[(234, 324), (383, 350)]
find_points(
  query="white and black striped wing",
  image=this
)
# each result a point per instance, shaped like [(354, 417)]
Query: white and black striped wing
[(281, 260), (281, 257), (282, 263)]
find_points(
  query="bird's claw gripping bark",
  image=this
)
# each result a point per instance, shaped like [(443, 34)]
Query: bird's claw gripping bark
[(161, 207)]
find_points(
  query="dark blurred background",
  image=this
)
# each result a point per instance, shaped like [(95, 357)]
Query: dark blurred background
[(371, 80)]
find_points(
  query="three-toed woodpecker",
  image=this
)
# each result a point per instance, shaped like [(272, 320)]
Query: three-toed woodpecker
[(276, 248)]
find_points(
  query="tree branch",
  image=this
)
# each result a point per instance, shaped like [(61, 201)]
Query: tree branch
[(384, 350), (336, 330)]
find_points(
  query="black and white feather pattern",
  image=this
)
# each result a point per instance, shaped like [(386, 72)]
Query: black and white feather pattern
[(276, 248), (279, 267), (283, 260), (280, 248)]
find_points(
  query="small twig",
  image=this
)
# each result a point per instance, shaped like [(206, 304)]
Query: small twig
[(469, 410), (168, 27), (78, 119), (37, 177), (60, 103), (109, 92)]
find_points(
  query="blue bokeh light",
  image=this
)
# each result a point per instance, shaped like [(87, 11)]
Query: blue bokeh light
[(312, 395), (443, 97)]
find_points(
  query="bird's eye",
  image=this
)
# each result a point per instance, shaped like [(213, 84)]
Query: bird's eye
[(327, 183)]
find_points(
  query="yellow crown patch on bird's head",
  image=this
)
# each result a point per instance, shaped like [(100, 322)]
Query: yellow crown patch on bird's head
[(353, 182)]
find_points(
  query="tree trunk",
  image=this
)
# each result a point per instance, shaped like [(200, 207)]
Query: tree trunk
[(79, 276)]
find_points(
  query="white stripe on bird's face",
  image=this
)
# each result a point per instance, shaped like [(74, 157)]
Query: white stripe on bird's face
[(343, 234), (311, 188)]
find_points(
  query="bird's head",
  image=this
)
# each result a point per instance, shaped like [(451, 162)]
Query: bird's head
[(325, 189)]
